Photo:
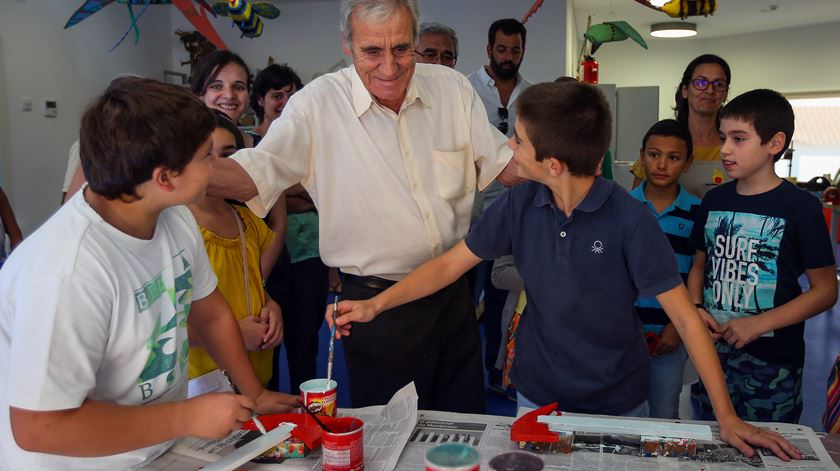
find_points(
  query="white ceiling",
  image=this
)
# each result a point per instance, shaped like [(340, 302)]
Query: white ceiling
[(733, 17)]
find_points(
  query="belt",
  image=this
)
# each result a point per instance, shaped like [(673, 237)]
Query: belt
[(372, 282)]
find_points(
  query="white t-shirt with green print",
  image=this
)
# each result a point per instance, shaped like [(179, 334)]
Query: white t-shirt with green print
[(87, 311)]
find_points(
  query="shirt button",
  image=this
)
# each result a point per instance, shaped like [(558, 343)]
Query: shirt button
[(426, 215), (562, 233)]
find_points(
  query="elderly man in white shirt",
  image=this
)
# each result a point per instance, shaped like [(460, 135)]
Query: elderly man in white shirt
[(391, 153)]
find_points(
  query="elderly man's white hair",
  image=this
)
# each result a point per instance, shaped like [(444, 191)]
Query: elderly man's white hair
[(376, 11)]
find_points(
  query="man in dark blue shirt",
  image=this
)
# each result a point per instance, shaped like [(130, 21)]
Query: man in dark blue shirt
[(585, 249)]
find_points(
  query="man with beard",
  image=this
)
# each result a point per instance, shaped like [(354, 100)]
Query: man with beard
[(498, 85)]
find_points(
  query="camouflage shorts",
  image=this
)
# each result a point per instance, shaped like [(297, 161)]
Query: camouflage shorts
[(760, 391)]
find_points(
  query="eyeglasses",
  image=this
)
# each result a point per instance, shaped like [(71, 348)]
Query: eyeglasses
[(702, 83), (503, 115), (444, 58)]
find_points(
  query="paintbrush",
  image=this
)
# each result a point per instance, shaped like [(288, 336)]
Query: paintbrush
[(254, 417), (332, 343)]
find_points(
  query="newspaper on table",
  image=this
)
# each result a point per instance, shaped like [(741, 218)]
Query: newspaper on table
[(387, 430), (598, 451)]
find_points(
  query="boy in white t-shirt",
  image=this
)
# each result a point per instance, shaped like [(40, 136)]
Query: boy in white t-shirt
[(93, 324)]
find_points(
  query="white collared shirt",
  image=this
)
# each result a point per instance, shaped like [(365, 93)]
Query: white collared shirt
[(486, 88), (392, 190)]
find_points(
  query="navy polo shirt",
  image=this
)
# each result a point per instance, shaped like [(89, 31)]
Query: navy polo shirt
[(579, 341)]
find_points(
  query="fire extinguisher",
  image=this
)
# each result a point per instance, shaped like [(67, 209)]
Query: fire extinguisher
[(590, 70)]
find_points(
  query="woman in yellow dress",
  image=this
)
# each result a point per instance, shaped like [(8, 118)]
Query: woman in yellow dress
[(223, 227)]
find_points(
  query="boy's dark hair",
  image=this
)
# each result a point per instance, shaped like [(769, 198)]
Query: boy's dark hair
[(136, 126), (273, 77), (509, 26), (569, 121), (209, 66), (223, 121), (670, 128), (768, 112), (680, 103)]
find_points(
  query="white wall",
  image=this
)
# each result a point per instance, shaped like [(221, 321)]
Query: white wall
[(41, 60), (788, 60), (306, 35)]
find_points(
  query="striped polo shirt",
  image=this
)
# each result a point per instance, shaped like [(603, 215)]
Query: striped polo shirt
[(676, 222)]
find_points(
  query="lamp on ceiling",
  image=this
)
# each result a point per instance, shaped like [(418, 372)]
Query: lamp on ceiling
[(673, 29)]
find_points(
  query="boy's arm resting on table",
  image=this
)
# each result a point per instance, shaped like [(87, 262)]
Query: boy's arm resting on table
[(217, 329), (684, 315), (428, 278), (821, 295), (103, 428), (230, 180)]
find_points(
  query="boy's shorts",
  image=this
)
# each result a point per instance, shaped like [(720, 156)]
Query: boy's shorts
[(760, 391)]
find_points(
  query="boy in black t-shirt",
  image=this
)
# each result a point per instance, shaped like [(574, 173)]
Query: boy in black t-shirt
[(754, 237)]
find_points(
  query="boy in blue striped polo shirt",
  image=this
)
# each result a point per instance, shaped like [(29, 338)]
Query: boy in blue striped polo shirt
[(666, 154)]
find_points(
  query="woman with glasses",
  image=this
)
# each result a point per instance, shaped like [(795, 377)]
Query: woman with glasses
[(698, 99)]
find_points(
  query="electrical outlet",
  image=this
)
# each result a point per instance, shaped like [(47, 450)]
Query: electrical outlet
[(50, 108), (26, 104)]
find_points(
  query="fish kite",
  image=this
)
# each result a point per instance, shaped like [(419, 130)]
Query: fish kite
[(197, 18), (246, 15), (611, 31), (684, 8)]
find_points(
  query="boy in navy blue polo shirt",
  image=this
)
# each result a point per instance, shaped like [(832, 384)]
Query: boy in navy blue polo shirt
[(585, 249), (665, 156), (754, 237)]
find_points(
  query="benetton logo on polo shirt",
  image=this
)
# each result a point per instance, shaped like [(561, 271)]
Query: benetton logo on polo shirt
[(598, 247)]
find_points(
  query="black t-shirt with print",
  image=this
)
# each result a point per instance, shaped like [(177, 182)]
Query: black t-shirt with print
[(756, 249)]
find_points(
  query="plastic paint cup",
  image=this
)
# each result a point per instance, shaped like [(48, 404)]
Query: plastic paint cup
[(344, 445), (453, 457), (319, 396), (516, 461)]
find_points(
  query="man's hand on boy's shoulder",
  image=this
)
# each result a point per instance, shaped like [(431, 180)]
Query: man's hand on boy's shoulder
[(741, 435), (739, 332), (272, 402)]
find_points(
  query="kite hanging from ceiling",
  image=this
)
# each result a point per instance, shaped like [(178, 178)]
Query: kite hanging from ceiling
[(684, 8), (246, 15), (196, 18)]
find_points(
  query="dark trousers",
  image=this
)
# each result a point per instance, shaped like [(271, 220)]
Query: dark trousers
[(433, 341), (494, 303), (301, 290)]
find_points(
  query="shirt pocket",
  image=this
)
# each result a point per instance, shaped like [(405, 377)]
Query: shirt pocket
[(454, 173)]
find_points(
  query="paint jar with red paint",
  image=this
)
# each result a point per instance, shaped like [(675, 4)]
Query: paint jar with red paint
[(453, 457), (319, 396), (343, 447), (516, 461)]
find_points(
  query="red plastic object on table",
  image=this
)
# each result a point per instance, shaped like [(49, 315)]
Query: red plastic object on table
[(306, 431), (527, 429)]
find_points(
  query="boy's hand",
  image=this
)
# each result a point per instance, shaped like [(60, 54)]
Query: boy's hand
[(272, 317), (271, 402), (711, 323), (739, 332), (741, 435), (348, 312), (253, 332), (669, 340), (215, 415)]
